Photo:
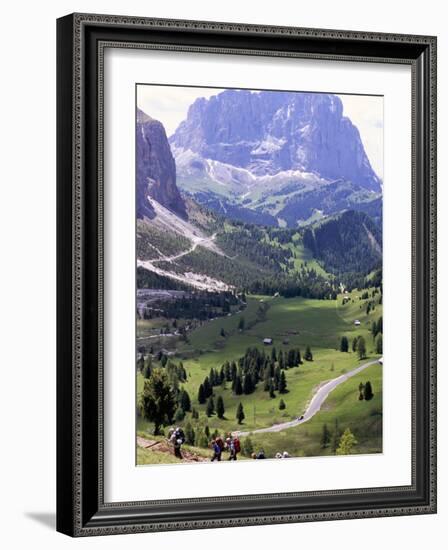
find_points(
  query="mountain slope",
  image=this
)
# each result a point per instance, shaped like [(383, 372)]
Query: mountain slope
[(156, 169), (348, 243)]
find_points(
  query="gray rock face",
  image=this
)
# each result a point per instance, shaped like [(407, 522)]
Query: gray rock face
[(156, 169), (269, 132)]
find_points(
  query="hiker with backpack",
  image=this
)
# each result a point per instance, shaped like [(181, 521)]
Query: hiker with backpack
[(177, 438), (219, 440), (234, 447), (216, 451)]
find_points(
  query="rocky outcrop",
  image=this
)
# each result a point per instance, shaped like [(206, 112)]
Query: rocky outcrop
[(155, 169), (270, 132)]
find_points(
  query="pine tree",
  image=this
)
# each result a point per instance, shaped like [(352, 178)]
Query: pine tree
[(182, 372), (248, 385), (281, 360), (207, 432), (147, 370), (282, 383), (238, 388), (291, 358), (164, 360), (227, 371), (308, 355), (233, 371), (379, 325), (241, 323), (346, 443), (208, 390), (344, 344), (240, 413), (189, 434), (282, 405), (220, 409), (210, 409), (368, 392), (361, 391), (361, 348), (271, 390), (222, 333), (336, 436), (379, 344), (194, 414), (185, 401), (326, 437), (179, 415), (212, 377), (277, 374), (274, 354), (355, 343), (201, 394), (157, 401), (267, 380)]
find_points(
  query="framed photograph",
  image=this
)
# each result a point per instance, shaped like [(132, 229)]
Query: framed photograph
[(246, 274)]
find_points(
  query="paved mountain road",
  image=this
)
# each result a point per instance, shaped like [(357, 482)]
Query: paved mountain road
[(315, 403)]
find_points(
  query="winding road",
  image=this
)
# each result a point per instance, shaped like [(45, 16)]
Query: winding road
[(315, 403), (198, 241)]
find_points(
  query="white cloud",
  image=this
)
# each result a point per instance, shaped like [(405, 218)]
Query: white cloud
[(366, 113), (169, 104)]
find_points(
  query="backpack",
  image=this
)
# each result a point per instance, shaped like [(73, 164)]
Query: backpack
[(180, 435), (236, 444)]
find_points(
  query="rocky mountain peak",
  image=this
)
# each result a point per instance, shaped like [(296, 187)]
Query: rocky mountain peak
[(156, 169), (268, 132)]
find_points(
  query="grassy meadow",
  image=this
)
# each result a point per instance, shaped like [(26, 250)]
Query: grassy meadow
[(291, 323)]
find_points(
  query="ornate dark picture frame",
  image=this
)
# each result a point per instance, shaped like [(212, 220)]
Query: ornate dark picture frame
[(81, 509)]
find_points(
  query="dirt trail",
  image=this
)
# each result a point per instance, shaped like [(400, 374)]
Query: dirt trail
[(198, 241), (164, 447)]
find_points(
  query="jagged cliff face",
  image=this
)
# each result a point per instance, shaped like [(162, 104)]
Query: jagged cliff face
[(156, 169), (271, 132)]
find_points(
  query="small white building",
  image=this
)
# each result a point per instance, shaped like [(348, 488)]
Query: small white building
[(267, 341), (357, 323)]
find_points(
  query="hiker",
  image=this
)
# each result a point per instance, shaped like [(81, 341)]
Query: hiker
[(177, 438), (234, 447), (220, 442), (216, 451), (230, 444)]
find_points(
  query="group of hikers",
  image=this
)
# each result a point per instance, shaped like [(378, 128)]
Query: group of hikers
[(230, 443)]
